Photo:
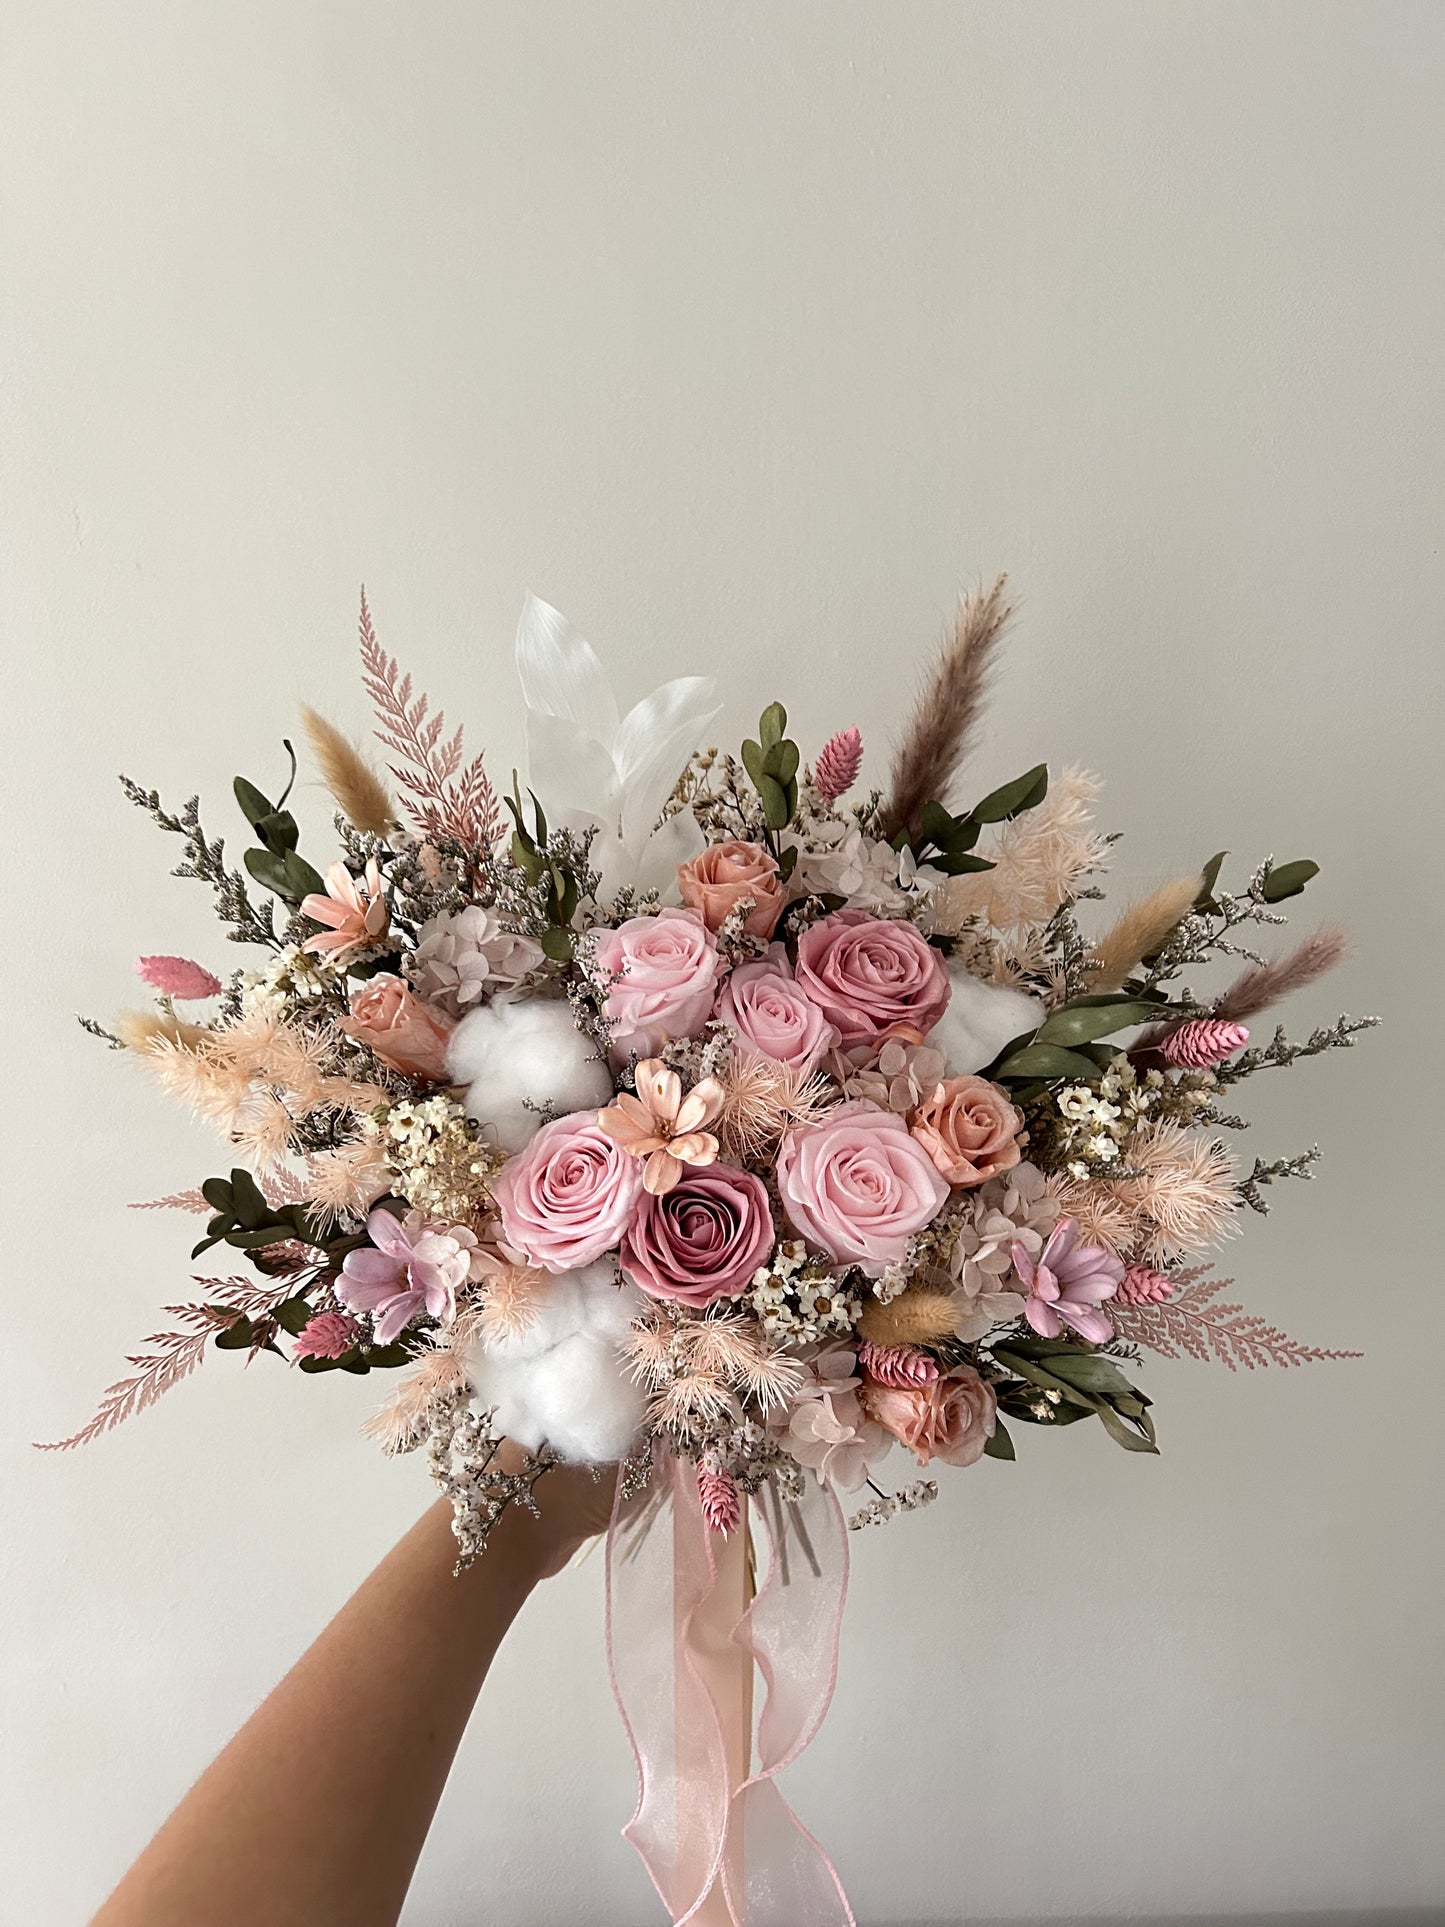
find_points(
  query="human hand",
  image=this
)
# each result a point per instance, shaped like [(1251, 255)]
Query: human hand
[(574, 1503)]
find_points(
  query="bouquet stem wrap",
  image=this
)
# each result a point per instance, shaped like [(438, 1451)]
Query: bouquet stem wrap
[(684, 1633)]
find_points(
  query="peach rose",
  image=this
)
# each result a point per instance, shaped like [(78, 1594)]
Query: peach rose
[(970, 1129), (400, 1029), (951, 1418), (718, 880)]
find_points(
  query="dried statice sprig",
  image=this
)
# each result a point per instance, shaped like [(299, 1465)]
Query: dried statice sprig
[(1193, 1324), (887, 1505), (461, 1457), (1271, 1172), (204, 859), (99, 1030), (1280, 1053)]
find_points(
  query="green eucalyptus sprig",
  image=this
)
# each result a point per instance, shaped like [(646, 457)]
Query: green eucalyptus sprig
[(1064, 1382), (946, 842), (242, 1217), (1068, 1043), (772, 765), (276, 865), (556, 889)]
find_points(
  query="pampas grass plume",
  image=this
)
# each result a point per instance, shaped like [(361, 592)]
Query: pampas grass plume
[(349, 777), (1261, 985)]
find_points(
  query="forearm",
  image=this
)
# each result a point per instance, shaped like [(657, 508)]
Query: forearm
[(316, 1812)]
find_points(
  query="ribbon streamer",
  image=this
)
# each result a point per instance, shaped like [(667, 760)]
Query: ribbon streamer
[(720, 1842)]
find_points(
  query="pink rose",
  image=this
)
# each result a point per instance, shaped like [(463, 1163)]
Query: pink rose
[(703, 1239), (718, 880), (773, 1015), (858, 1186), (970, 1129), (667, 969), (872, 976), (400, 1029), (951, 1418), (567, 1198)]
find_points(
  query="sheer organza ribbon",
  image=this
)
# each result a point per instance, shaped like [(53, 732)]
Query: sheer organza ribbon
[(722, 1845)]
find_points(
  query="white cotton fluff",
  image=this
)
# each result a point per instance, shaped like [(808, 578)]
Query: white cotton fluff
[(563, 1380), (981, 1018), (508, 1053)]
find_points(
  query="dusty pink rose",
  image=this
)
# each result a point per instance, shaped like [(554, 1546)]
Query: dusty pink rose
[(970, 1129), (872, 976), (857, 1185), (567, 1198), (773, 1015), (667, 969), (951, 1418), (399, 1028), (703, 1240), (718, 880)]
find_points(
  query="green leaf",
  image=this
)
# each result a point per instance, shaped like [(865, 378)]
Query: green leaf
[(318, 1364), (301, 879), (1124, 1434), (788, 862), (558, 943), (1081, 1024), (1091, 1372), (267, 1234), (388, 1357), (205, 1244), (293, 1315), (1210, 876), (960, 864), (787, 768), (776, 810), (1000, 1446), (753, 761), (236, 1338), (1024, 793), (935, 823), (772, 724), (278, 831), (217, 1194), (254, 806), (248, 1200), (1288, 880), (1046, 1062)]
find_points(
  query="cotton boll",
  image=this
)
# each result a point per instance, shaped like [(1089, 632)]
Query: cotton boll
[(563, 1380), (510, 1053), (981, 1018)]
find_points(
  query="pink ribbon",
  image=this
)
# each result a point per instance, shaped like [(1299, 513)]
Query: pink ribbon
[(720, 1842)]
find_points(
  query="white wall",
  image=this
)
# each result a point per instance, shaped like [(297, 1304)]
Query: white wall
[(746, 333)]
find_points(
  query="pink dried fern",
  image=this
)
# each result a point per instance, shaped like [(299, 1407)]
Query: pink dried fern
[(445, 798), (1194, 1324), (173, 1201)]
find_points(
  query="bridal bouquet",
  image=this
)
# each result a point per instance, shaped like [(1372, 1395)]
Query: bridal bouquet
[(726, 1116)]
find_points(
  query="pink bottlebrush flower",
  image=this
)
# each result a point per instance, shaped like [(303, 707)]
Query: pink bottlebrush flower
[(411, 1266), (1202, 1042), (178, 977), (837, 767), (662, 1126), (1143, 1285), (895, 1365), (1067, 1282), (721, 1506), (330, 1334), (354, 909)]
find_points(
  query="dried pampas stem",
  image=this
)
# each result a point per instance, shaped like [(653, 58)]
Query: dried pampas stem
[(1264, 984), (946, 714), (349, 777), (919, 1317), (1141, 931)]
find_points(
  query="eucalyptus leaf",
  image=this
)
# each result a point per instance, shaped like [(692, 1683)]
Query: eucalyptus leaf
[(558, 943), (236, 1338), (1288, 880), (278, 831), (1046, 1062), (775, 803), (217, 1194), (753, 761), (960, 864), (254, 806), (1124, 1434), (787, 768), (1024, 793), (293, 1315), (772, 724), (1081, 1024), (1000, 1446)]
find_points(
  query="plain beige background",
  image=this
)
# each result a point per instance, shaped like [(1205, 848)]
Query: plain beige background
[(746, 333)]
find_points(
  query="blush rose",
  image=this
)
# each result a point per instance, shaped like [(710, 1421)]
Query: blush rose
[(666, 969), (872, 976), (951, 1418), (857, 1185), (400, 1029), (773, 1015), (718, 880), (701, 1240), (970, 1128), (567, 1198)]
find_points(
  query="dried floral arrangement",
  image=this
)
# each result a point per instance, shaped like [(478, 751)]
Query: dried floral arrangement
[(713, 1113)]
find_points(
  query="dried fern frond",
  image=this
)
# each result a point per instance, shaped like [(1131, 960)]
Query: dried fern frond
[(1141, 931), (940, 730), (1261, 985), (359, 791), (175, 1201), (1193, 1324), (445, 799)]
